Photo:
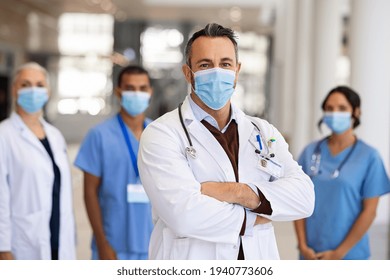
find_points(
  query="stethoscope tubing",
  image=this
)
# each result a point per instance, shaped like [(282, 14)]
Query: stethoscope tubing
[(316, 159)]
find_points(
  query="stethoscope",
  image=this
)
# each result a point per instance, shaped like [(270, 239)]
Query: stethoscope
[(190, 150), (316, 160)]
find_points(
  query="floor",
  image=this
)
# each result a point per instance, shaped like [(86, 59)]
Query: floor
[(284, 230)]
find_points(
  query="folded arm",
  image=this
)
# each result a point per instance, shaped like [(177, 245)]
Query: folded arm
[(175, 193), (237, 193)]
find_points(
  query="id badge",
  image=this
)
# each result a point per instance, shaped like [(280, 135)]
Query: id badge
[(271, 167), (136, 194)]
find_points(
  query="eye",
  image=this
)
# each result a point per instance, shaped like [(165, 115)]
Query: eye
[(128, 87), (204, 65), (25, 84), (226, 65), (343, 108), (329, 108)]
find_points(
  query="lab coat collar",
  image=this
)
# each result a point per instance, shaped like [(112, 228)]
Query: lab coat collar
[(27, 134), (245, 130), (205, 138)]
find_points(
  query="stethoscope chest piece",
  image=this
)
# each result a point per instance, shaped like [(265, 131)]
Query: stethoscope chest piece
[(191, 152), (335, 174)]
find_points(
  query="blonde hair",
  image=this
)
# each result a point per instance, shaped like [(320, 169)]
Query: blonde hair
[(31, 65)]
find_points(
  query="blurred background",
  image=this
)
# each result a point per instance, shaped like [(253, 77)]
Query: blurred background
[(292, 53)]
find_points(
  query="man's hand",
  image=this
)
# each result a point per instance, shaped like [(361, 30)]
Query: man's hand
[(6, 256), (261, 220), (231, 192)]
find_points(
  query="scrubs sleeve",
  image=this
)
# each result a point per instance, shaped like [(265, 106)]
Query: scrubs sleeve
[(301, 158), (89, 157), (376, 181), (305, 158), (5, 213)]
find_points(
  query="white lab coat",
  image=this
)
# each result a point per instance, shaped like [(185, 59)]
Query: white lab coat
[(26, 184), (189, 225)]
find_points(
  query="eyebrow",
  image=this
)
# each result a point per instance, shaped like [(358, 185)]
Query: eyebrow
[(204, 60), (211, 61), (132, 85), (227, 59), (31, 82)]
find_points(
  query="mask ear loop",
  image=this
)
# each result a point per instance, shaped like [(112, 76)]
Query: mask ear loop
[(319, 124), (192, 79)]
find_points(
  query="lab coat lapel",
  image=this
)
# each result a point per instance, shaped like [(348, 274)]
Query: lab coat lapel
[(204, 138), (26, 133), (245, 134)]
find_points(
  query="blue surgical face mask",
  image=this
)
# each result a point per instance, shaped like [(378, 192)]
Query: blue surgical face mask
[(135, 102), (338, 122), (214, 86), (32, 99)]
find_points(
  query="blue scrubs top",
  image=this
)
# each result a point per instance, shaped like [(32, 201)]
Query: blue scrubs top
[(104, 154), (339, 201)]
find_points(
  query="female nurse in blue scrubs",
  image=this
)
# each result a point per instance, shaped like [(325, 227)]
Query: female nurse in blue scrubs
[(349, 177)]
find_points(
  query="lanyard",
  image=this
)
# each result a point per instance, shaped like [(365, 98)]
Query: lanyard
[(128, 143)]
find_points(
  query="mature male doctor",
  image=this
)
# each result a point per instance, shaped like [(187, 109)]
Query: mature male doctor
[(216, 177), (36, 210)]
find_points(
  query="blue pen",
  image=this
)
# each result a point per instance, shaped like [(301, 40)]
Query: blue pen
[(259, 140)]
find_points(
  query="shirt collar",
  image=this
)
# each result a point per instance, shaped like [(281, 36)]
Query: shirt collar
[(200, 115)]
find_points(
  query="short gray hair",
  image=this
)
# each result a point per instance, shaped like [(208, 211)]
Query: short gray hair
[(31, 65), (211, 30)]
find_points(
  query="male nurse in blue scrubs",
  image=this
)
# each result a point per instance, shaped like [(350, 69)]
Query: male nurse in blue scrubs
[(118, 208)]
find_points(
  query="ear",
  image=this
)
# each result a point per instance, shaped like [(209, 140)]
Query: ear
[(357, 113), (187, 73), (118, 93)]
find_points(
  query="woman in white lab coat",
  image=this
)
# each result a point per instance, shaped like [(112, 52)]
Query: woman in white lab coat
[(36, 212)]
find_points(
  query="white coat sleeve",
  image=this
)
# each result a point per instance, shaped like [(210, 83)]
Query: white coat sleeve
[(175, 194), (292, 195), (5, 213)]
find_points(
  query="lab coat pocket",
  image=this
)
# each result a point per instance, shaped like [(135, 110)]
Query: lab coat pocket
[(262, 244), (180, 249), (31, 238), (250, 171)]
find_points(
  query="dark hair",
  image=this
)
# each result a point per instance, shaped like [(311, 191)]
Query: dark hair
[(131, 70), (352, 97), (211, 30)]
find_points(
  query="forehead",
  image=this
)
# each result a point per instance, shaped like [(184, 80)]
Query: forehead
[(135, 79), (211, 47), (30, 74), (337, 98)]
